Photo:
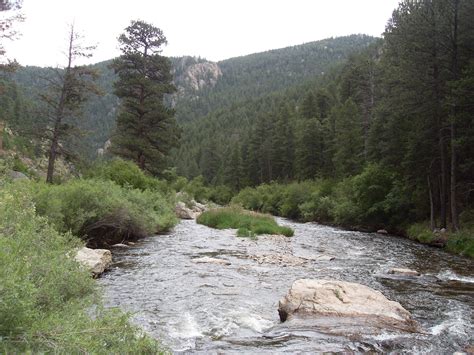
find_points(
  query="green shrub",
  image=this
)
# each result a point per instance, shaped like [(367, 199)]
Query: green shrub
[(248, 198), (295, 195), (245, 233), (102, 212), (220, 194), (421, 232), (197, 189), (127, 174), (462, 242), (48, 304), (234, 217)]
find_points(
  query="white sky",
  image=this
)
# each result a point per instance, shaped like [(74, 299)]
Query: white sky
[(211, 29)]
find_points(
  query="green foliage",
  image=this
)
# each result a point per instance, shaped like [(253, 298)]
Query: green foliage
[(48, 303), (197, 189), (146, 129), (245, 233), (460, 242), (127, 174), (221, 194), (248, 222), (372, 199), (102, 212), (421, 232)]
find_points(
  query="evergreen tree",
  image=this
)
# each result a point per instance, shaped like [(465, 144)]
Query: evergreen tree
[(146, 129), (349, 143)]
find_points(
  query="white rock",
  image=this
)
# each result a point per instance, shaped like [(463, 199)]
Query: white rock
[(382, 231), (340, 299), (325, 258), (120, 245), (95, 260), (208, 260), (401, 271), (183, 212)]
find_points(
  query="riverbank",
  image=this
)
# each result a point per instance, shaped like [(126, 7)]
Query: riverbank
[(49, 302), (367, 202)]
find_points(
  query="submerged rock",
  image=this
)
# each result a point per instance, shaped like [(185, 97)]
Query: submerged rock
[(279, 259), (404, 272), (344, 300), (208, 260), (95, 260)]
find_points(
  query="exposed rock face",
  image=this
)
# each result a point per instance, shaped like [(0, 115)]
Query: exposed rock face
[(340, 299), (208, 260), (202, 75), (192, 75), (95, 260), (184, 212), (404, 272)]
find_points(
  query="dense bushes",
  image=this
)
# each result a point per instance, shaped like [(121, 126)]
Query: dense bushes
[(48, 304), (248, 223), (372, 199), (102, 212), (126, 174)]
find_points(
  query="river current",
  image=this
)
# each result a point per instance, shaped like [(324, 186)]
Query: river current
[(220, 309)]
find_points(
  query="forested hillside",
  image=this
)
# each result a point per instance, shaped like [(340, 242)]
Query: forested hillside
[(202, 86)]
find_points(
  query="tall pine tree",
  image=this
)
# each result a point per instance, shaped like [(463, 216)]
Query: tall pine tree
[(146, 129)]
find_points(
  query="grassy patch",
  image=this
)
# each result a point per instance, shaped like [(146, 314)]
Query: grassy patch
[(247, 222), (461, 242)]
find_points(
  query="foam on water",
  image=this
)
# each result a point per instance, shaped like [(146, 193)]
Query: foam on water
[(456, 322), (448, 275), (186, 327)]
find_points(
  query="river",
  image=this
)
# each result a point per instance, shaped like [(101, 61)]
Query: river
[(207, 308)]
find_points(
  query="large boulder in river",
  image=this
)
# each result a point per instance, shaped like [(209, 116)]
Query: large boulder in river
[(95, 260), (344, 300)]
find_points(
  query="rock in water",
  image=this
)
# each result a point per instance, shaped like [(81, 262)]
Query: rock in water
[(95, 260), (404, 272), (208, 260), (382, 231), (344, 300)]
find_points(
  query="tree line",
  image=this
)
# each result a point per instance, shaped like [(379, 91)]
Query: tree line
[(404, 103)]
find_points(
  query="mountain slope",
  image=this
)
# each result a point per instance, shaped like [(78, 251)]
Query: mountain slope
[(205, 87)]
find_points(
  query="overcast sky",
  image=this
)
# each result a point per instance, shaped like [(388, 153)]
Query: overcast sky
[(211, 29)]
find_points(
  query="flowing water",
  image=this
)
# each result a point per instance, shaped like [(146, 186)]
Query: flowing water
[(208, 308)]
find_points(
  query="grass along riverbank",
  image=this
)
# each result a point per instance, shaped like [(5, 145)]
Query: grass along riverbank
[(249, 224), (374, 199), (48, 302)]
